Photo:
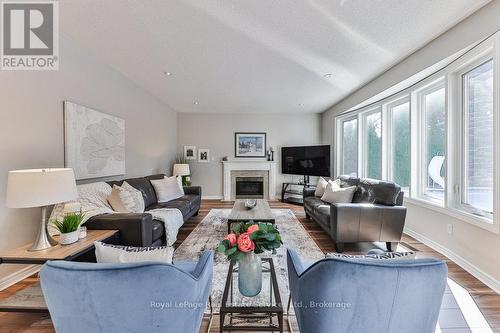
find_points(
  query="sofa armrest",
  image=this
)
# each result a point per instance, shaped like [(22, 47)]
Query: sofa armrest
[(192, 190), (308, 192), (135, 229), (349, 222)]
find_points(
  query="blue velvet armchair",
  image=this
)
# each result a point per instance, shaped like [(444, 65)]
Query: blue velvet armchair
[(134, 297), (372, 296)]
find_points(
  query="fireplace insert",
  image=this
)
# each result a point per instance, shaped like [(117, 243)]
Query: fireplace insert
[(249, 187)]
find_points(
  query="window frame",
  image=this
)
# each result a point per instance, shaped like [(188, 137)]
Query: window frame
[(420, 154), (339, 167), (363, 136), (388, 108), (488, 50)]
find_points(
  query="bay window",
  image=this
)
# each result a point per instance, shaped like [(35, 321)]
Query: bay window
[(438, 138)]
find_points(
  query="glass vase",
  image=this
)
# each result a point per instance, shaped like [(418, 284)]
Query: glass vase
[(250, 275)]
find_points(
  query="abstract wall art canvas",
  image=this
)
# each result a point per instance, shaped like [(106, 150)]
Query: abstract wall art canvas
[(94, 142)]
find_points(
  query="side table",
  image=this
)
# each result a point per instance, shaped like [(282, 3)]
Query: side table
[(30, 299)]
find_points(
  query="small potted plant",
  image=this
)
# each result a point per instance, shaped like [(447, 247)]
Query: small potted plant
[(247, 240), (69, 228)]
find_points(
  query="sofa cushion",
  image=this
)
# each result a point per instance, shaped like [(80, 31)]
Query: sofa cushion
[(313, 202), (183, 205), (126, 199), (375, 256), (334, 194), (167, 189), (108, 253), (377, 191), (142, 184)]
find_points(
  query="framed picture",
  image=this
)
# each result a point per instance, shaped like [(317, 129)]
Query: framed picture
[(94, 142), (249, 144), (190, 152), (203, 155)]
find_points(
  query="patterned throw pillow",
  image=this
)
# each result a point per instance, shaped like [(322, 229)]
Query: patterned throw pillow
[(385, 255), (126, 199), (108, 253)]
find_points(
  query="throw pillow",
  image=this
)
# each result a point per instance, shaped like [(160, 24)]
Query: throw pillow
[(167, 189), (335, 195), (115, 201), (385, 255), (108, 253), (320, 187), (126, 199), (322, 184)]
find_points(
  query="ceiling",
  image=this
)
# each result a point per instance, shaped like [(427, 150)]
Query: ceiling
[(255, 55)]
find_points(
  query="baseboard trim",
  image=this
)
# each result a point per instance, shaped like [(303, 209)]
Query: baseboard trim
[(18, 276), (212, 197), (465, 264)]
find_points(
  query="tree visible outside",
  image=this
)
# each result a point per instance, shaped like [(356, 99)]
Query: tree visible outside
[(350, 147), (374, 145), (401, 144)]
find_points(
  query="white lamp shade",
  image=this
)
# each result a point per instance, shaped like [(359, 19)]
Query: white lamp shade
[(181, 170), (40, 187)]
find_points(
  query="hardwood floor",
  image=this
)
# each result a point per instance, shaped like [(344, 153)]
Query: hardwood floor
[(486, 299)]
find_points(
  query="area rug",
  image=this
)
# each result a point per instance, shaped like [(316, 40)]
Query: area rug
[(212, 230)]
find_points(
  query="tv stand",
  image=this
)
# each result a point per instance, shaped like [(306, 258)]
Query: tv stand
[(305, 181), (289, 194)]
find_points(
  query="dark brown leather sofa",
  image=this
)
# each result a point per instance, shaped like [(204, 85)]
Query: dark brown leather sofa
[(141, 229), (376, 213)]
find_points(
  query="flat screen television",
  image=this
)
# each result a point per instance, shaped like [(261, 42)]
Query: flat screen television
[(306, 160)]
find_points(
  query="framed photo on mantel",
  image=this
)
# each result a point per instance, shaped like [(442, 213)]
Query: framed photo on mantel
[(249, 144)]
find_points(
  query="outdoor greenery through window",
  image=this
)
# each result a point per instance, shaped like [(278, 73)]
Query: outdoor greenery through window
[(436, 138), (401, 144), (350, 147), (374, 145)]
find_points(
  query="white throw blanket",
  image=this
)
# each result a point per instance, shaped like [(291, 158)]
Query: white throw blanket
[(173, 220), (93, 199)]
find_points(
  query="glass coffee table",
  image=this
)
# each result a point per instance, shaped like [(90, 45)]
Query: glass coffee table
[(263, 312)]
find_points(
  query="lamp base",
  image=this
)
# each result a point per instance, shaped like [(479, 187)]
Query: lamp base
[(43, 240)]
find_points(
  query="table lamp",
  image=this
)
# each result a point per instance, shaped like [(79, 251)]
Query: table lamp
[(40, 188), (183, 171)]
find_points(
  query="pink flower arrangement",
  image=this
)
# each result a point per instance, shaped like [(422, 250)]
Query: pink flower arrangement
[(248, 237)]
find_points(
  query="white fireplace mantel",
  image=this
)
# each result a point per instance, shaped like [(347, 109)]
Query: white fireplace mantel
[(249, 165)]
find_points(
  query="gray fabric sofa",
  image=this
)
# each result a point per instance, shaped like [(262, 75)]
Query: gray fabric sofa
[(376, 213)]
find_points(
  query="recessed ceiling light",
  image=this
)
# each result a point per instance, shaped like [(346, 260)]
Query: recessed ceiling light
[(328, 75), (195, 103), (168, 73)]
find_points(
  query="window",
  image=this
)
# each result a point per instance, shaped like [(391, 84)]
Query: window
[(438, 138), (350, 147), (373, 146), (432, 110), (400, 153), (478, 139)]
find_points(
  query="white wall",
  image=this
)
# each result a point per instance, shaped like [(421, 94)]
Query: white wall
[(31, 128), (476, 248), (215, 131)]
